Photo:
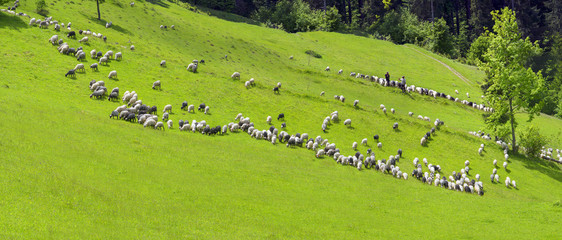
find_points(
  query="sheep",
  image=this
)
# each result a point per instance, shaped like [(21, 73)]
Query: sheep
[(268, 120), (355, 103), (505, 165), (80, 56), (281, 116), (32, 21), (170, 123), (206, 110), (327, 69), (43, 24), (191, 108), (112, 74), (410, 114), (276, 90), (132, 47), (70, 72), (340, 71), (103, 60), (395, 126), (54, 39), (192, 67), (494, 171), (507, 182), (513, 184), (347, 122), (79, 66), (495, 162), (247, 84), (322, 93), (278, 84), (94, 66), (165, 116), (235, 75), (113, 95), (159, 125), (119, 56), (506, 156), (379, 145), (354, 145), (392, 110), (132, 4), (497, 178), (83, 40), (97, 94), (156, 85), (168, 108), (163, 63), (384, 110), (71, 34), (57, 27)]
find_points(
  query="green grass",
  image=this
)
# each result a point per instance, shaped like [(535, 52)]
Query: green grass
[(69, 171)]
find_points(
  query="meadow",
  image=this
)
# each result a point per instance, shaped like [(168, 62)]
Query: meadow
[(69, 171)]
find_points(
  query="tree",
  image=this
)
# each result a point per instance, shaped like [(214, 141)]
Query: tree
[(512, 85), (98, 4)]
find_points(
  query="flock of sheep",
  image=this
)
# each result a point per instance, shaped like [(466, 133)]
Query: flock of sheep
[(134, 110)]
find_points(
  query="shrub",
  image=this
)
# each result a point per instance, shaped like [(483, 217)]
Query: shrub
[(313, 53), (531, 141)]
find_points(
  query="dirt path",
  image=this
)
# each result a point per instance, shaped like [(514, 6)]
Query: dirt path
[(464, 79)]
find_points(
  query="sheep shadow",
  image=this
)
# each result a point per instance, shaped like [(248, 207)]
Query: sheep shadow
[(102, 22), (398, 130), (11, 21), (159, 3), (508, 171), (72, 77), (350, 127)]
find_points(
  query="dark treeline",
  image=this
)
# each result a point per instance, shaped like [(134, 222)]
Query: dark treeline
[(447, 27)]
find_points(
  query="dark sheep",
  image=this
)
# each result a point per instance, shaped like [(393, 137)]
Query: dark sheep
[(71, 51), (81, 56), (376, 137), (70, 72), (291, 142), (283, 125), (80, 31), (61, 42), (92, 82), (201, 107), (114, 114), (202, 61), (395, 126), (153, 109), (276, 90), (286, 138), (180, 123), (99, 54), (271, 128), (400, 152), (113, 95), (206, 130), (281, 116), (183, 105), (104, 38), (79, 48), (71, 34), (131, 117)]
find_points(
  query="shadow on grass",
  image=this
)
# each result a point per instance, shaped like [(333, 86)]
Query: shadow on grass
[(548, 168), (102, 22), (159, 3), (228, 16), (11, 21)]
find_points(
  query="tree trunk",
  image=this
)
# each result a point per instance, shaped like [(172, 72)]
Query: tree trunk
[(349, 11), (511, 116), (98, 3)]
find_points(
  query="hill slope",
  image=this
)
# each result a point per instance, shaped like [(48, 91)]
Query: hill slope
[(69, 170)]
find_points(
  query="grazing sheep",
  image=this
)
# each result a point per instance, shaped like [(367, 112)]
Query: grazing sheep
[(114, 114), (392, 110), (278, 84), (132, 4), (322, 93), (163, 63), (268, 120), (497, 178), (379, 145), (71, 34), (354, 145), (327, 69), (80, 56), (118, 56), (283, 125), (156, 85), (206, 110), (513, 184), (347, 122), (165, 116), (54, 39), (159, 125), (276, 90), (113, 95), (507, 182), (191, 108), (376, 137), (170, 123), (340, 71), (281, 116), (83, 40), (70, 73), (410, 114), (505, 165), (112, 74), (395, 126), (103, 60), (192, 67), (132, 47), (94, 66), (235, 75), (247, 84), (168, 108), (79, 66), (355, 103)]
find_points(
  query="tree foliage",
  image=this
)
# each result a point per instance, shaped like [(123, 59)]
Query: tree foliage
[(532, 141), (512, 85)]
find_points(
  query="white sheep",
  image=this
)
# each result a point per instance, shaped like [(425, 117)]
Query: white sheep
[(495, 162), (247, 84), (379, 145), (354, 145), (103, 60), (206, 110), (278, 84), (497, 178), (322, 93), (84, 39), (156, 84), (340, 71), (163, 63), (355, 103), (191, 108), (477, 177), (168, 108), (513, 184), (506, 156), (268, 119), (364, 141), (507, 182), (112, 74), (327, 69), (392, 110), (384, 110), (118, 56), (235, 75), (480, 151), (170, 122), (132, 47), (347, 122), (54, 39), (93, 53), (505, 165), (159, 125), (79, 66), (494, 171), (410, 114)]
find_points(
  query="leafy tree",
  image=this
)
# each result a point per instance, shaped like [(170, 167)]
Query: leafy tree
[(532, 141), (478, 48), (512, 85), (440, 38)]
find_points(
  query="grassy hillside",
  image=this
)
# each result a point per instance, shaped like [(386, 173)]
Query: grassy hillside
[(69, 170)]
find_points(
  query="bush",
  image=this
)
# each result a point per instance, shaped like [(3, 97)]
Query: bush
[(531, 141), (41, 7), (440, 38), (477, 49), (313, 53)]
